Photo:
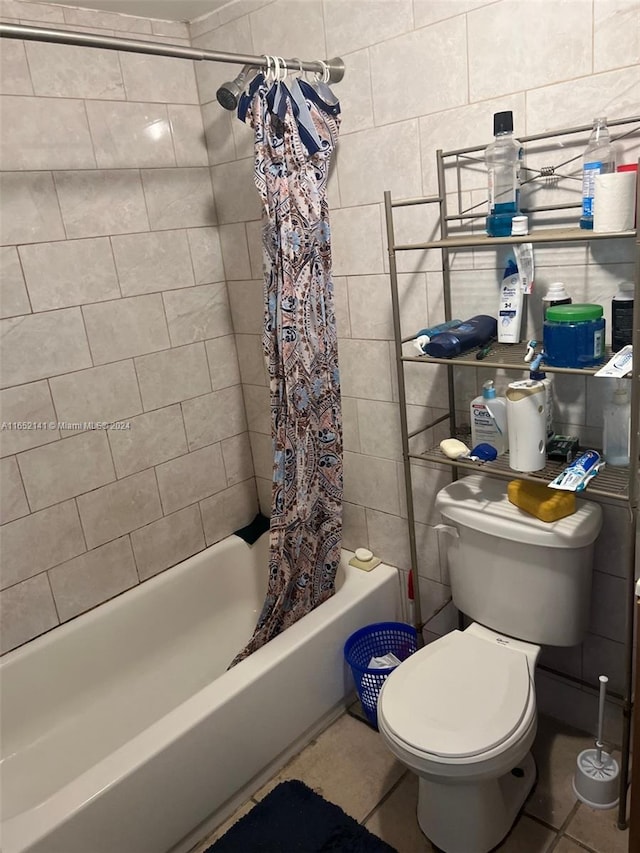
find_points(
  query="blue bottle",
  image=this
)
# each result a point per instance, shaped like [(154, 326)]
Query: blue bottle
[(476, 332)]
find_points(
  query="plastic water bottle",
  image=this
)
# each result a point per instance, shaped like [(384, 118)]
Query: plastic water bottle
[(504, 160), (599, 158), (616, 433)]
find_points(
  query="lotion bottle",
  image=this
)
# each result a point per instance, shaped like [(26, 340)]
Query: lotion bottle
[(489, 419)]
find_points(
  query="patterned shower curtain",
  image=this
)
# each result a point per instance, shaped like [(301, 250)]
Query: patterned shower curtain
[(296, 130)]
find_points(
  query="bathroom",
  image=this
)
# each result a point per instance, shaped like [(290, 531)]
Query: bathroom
[(130, 193)]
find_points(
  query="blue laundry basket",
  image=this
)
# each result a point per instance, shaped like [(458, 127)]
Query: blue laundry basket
[(374, 641)]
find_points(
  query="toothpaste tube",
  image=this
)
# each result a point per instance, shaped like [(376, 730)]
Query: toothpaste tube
[(575, 477), (619, 365)]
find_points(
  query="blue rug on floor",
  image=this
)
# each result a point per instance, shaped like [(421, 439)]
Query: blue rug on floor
[(294, 819)]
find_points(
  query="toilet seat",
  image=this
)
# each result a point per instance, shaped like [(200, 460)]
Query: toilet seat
[(457, 699)]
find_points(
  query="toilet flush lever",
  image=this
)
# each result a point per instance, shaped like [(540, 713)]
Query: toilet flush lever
[(448, 529)]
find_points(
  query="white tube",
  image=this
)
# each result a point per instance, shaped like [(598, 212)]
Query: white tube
[(603, 694)]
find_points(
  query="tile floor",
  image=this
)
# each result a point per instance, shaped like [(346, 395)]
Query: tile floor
[(349, 765)]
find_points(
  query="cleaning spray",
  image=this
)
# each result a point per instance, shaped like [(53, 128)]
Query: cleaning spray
[(489, 419)]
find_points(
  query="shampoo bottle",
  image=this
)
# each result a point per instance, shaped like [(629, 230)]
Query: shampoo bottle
[(489, 419), (511, 299), (476, 332)]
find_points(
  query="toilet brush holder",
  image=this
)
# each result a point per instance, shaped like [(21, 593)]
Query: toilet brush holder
[(597, 773)]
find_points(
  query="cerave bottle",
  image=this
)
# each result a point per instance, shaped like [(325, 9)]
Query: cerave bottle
[(488, 414)]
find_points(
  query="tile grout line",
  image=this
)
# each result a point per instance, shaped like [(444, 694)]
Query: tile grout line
[(384, 798)]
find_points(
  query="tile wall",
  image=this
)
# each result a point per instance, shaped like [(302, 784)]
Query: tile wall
[(115, 309), (422, 75)]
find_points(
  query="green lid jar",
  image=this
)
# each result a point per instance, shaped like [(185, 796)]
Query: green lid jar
[(576, 313), (574, 335)]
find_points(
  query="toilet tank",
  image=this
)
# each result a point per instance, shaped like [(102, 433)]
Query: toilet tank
[(510, 571)]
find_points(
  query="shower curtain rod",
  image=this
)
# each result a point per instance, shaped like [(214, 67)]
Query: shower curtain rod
[(19, 31)]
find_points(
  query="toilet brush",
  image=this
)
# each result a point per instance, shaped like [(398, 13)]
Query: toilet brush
[(596, 778)]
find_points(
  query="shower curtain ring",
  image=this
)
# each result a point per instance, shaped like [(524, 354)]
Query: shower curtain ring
[(268, 72), (326, 74), (299, 61), (285, 70), (276, 69)]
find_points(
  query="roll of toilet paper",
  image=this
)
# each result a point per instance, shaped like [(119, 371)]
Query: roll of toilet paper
[(614, 201)]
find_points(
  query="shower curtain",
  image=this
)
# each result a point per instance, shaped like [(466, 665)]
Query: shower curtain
[(296, 128)]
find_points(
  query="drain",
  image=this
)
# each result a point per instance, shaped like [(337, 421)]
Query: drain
[(518, 772)]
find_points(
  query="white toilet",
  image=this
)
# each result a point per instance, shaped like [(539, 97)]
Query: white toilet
[(461, 712)]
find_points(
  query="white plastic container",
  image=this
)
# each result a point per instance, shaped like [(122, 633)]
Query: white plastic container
[(556, 295), (488, 414), (527, 425), (616, 432)]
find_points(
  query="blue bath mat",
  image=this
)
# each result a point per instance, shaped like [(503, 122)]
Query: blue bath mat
[(294, 819)]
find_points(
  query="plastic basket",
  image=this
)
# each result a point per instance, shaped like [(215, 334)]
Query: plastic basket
[(374, 641)]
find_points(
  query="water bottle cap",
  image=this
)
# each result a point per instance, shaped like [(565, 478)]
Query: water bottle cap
[(503, 122), (519, 225)]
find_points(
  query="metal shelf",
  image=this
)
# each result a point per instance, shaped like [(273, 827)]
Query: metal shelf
[(506, 356), (543, 235), (609, 483)]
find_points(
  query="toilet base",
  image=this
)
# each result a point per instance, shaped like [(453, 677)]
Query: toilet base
[(475, 817)]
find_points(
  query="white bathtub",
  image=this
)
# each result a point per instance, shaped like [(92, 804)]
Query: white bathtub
[(122, 731)]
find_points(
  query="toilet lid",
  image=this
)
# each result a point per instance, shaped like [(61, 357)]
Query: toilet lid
[(458, 697)]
